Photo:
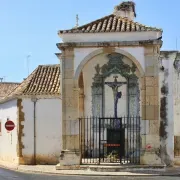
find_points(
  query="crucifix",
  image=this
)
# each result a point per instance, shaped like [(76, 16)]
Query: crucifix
[(117, 95)]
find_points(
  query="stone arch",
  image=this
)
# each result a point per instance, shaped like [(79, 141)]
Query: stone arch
[(101, 51)]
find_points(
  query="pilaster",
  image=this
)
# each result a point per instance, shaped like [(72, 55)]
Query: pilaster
[(151, 107), (70, 113)]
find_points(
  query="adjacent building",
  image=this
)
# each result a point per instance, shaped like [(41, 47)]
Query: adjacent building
[(34, 106), (6, 88)]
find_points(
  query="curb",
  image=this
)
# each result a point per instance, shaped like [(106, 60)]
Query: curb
[(80, 174), (8, 167), (98, 174), (95, 173)]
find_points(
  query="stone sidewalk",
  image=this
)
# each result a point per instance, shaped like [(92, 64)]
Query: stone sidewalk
[(50, 169)]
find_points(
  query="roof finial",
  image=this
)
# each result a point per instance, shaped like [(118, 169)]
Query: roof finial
[(77, 20), (27, 61)]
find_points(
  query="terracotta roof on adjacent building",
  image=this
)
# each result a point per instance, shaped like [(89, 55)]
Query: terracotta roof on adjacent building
[(6, 88), (111, 23), (44, 80)]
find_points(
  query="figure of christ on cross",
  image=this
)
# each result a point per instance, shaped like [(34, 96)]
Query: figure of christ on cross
[(117, 95)]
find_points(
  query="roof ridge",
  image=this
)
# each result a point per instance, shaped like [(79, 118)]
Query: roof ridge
[(44, 80), (88, 24), (97, 20), (45, 65), (110, 23), (125, 18), (10, 83), (6, 88)]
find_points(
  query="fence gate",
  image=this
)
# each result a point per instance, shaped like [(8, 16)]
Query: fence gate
[(110, 140)]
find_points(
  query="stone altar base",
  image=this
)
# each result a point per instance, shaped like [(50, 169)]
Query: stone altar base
[(69, 159)]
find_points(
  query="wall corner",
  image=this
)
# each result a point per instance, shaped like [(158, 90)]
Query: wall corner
[(20, 119)]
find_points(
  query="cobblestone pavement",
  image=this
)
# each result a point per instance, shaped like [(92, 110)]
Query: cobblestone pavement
[(14, 175)]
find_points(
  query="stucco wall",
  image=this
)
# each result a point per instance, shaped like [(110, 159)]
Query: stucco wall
[(167, 104), (48, 131), (174, 90), (176, 93), (8, 140)]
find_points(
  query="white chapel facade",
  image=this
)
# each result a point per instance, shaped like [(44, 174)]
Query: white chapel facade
[(114, 72)]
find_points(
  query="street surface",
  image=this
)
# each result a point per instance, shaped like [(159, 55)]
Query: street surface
[(14, 175)]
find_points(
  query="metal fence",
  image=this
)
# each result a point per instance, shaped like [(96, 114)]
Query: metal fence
[(110, 140)]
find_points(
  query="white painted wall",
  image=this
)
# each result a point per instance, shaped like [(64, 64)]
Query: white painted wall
[(170, 128), (110, 36), (48, 130), (8, 141), (81, 53), (173, 105), (28, 138), (138, 53), (176, 94), (176, 112), (167, 63)]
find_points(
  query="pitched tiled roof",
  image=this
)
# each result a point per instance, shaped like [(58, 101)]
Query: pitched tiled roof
[(44, 80), (111, 23), (6, 88)]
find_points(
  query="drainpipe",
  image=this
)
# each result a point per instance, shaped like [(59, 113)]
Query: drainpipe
[(34, 100)]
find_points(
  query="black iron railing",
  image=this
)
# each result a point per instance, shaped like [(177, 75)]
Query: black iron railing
[(110, 140), (177, 153)]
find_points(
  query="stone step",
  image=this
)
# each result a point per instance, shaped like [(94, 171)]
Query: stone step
[(112, 168)]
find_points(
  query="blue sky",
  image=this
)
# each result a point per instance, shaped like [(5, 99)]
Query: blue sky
[(30, 27)]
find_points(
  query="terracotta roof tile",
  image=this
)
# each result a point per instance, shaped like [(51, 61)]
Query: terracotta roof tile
[(110, 23), (6, 88), (44, 80)]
